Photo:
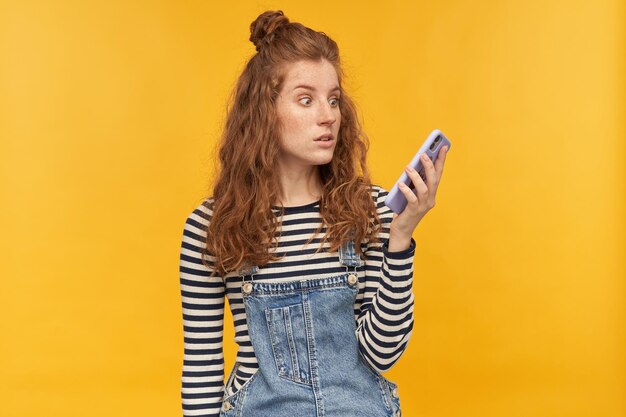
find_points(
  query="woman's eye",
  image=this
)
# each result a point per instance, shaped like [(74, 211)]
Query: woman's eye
[(334, 101)]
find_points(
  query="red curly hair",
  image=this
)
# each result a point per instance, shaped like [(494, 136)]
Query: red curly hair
[(243, 226)]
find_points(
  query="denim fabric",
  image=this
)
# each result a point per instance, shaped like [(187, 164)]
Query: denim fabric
[(303, 333)]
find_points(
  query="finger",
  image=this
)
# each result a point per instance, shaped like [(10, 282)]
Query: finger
[(429, 171), (418, 181), (408, 193), (441, 159)]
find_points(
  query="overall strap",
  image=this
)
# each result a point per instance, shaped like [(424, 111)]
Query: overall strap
[(249, 271), (348, 256)]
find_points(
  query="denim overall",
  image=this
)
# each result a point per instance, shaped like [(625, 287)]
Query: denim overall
[(303, 333)]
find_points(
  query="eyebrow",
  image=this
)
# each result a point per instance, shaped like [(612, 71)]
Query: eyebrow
[(308, 87)]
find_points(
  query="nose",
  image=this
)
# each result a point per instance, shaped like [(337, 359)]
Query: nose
[(327, 114)]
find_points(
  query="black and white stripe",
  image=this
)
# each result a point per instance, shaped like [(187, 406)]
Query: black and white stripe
[(383, 308)]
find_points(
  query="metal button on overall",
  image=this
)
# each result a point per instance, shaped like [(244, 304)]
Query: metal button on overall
[(247, 287), (352, 279), (227, 406)]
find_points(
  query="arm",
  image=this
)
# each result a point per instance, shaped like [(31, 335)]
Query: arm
[(385, 321), (202, 382)]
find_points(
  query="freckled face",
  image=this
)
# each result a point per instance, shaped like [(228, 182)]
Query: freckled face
[(308, 107)]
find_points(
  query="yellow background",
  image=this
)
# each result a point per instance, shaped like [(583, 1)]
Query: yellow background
[(108, 114)]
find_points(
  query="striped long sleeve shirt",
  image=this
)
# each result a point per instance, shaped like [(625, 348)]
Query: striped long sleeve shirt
[(383, 308)]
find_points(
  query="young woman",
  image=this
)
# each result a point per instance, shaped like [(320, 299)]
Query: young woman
[(317, 270)]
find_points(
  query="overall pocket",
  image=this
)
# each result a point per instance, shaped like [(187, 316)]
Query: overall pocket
[(232, 404), (287, 330), (389, 388), (230, 380)]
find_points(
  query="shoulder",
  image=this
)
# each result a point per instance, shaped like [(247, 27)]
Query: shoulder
[(200, 217), (379, 194)]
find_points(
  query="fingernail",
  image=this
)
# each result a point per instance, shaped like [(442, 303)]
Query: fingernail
[(410, 168), (424, 156)]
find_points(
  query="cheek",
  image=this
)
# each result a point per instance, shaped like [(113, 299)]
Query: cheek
[(294, 121), (290, 122), (286, 115)]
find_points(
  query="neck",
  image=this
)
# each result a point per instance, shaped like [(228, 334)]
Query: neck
[(299, 186)]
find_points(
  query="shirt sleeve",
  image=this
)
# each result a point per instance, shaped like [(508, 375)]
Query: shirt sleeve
[(385, 321), (202, 380)]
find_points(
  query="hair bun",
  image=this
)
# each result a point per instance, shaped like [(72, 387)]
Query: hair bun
[(263, 26)]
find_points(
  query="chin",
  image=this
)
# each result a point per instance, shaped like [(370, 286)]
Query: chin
[(324, 161)]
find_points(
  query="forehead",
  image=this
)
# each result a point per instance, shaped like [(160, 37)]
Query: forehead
[(319, 74)]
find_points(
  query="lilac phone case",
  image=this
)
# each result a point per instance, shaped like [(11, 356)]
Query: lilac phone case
[(395, 199)]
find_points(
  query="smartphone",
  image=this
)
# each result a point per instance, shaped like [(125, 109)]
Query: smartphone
[(395, 199)]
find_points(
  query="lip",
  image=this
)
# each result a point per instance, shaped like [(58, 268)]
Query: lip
[(326, 136), (325, 143)]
